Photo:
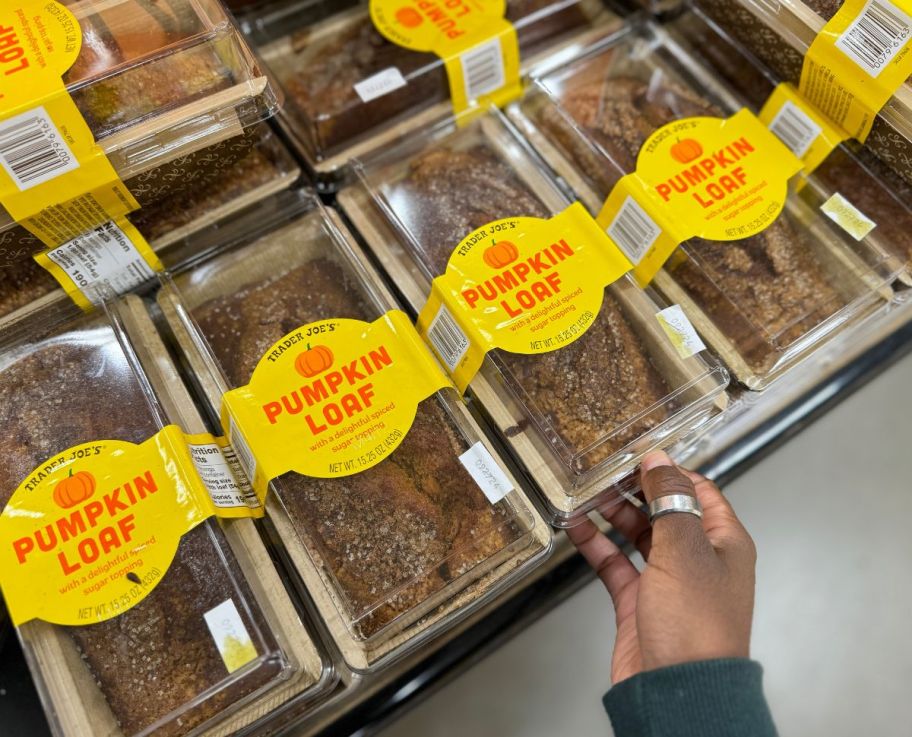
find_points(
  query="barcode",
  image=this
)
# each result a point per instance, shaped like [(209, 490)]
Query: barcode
[(483, 69), (875, 36), (242, 450), (447, 338), (794, 128), (633, 230), (32, 151)]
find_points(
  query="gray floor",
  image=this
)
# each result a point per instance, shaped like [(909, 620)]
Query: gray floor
[(831, 514)]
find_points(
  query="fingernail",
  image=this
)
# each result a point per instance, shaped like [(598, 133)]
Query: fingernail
[(655, 459)]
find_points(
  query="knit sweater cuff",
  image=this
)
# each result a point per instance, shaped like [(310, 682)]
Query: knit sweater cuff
[(711, 698)]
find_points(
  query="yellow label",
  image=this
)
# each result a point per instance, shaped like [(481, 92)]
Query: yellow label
[(719, 179), (105, 261), (857, 62), (330, 399), (808, 134), (92, 531), (524, 285), (54, 179), (478, 46)]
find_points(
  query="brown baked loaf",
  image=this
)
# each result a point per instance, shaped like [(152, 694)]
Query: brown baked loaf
[(771, 280), (321, 73), (390, 536), (128, 32), (159, 655), (584, 390)]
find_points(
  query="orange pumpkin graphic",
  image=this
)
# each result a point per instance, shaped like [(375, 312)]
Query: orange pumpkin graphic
[(314, 361), (686, 151), (74, 489), (501, 254), (409, 17)]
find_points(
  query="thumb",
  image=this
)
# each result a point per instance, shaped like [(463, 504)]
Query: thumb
[(678, 533)]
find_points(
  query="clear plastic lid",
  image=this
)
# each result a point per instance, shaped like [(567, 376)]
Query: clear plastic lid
[(581, 417), (764, 302), (320, 68), (239, 173), (57, 388), (390, 554)]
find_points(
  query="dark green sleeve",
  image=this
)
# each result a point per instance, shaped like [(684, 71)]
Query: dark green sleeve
[(712, 698)]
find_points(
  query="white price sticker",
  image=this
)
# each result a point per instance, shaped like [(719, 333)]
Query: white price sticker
[(380, 84), (679, 331), (230, 635), (489, 476)]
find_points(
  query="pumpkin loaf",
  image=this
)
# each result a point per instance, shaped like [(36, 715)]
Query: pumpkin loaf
[(321, 73), (132, 31), (589, 387), (768, 289), (393, 535), (157, 657)]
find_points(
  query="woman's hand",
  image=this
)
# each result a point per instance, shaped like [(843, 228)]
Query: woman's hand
[(695, 598)]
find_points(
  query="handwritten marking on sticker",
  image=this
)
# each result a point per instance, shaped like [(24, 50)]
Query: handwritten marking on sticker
[(380, 84), (848, 217), (487, 473), (680, 331), (230, 635)]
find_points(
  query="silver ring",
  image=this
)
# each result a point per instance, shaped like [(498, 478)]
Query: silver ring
[(674, 503)]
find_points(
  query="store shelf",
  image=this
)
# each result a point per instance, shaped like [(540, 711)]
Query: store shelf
[(757, 424)]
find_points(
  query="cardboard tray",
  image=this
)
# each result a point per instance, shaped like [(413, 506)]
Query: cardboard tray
[(330, 171), (79, 705), (835, 256), (564, 509), (445, 606)]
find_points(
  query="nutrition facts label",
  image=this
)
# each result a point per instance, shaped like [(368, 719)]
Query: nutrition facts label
[(220, 470), (104, 261)]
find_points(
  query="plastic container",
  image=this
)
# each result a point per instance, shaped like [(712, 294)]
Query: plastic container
[(413, 203), (851, 170), (396, 553), (155, 668), (779, 33), (241, 176), (156, 82), (764, 303), (327, 119)]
